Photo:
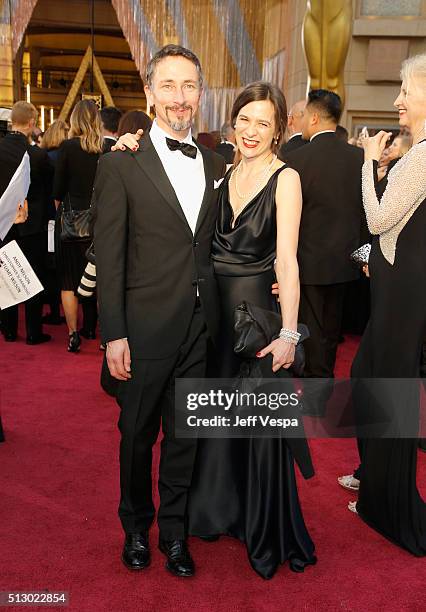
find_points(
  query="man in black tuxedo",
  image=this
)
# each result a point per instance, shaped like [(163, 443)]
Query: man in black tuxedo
[(226, 147), (158, 305), (332, 226), (294, 130), (31, 235), (110, 117)]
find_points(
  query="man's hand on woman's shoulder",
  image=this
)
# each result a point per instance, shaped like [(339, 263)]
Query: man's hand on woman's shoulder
[(128, 141)]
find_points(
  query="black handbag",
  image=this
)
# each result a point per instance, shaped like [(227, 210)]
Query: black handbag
[(255, 328), (76, 225)]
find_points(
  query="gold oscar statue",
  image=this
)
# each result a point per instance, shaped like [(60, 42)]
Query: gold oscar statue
[(326, 34)]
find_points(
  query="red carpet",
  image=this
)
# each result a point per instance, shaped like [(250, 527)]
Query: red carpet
[(59, 528)]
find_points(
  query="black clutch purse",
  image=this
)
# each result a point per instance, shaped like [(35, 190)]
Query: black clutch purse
[(255, 328), (76, 225)]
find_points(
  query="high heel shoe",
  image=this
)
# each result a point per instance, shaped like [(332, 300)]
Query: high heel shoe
[(74, 342)]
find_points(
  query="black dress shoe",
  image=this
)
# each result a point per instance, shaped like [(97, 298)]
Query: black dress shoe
[(89, 334), (39, 339), (209, 538), (179, 561), (9, 336), (136, 554)]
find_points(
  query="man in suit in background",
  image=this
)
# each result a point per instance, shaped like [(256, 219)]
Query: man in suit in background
[(31, 235), (110, 117), (226, 147), (332, 226), (294, 130), (158, 304)]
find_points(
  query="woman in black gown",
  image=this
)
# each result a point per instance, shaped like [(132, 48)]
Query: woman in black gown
[(75, 172), (246, 488), (389, 500)]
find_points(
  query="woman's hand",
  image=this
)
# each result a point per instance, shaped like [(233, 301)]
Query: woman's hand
[(366, 270), (129, 141), (375, 145), (21, 213), (282, 351)]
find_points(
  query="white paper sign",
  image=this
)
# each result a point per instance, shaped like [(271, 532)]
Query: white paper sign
[(51, 236), (15, 194), (18, 281)]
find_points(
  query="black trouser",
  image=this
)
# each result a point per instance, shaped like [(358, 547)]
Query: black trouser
[(146, 400), (34, 248), (90, 313), (321, 308), (52, 287)]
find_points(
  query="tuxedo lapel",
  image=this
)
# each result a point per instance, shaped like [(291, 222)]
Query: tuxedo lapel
[(208, 192), (149, 162)]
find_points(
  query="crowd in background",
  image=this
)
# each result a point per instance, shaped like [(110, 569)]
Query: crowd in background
[(64, 180)]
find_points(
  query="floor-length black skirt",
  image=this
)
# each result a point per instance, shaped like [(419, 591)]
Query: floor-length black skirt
[(391, 348), (246, 488)]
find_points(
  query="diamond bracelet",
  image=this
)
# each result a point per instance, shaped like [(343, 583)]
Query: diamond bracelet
[(290, 336)]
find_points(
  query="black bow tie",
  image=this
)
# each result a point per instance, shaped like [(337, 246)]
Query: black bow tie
[(186, 148)]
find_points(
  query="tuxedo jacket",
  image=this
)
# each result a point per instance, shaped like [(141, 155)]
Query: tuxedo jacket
[(227, 151), (12, 149), (333, 221), (291, 145), (148, 262), (107, 144)]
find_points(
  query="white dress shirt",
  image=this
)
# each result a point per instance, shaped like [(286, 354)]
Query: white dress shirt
[(293, 135), (185, 174)]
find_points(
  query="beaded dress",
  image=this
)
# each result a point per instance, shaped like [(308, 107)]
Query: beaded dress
[(389, 500)]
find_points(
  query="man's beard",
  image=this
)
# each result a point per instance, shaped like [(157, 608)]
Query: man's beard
[(179, 126)]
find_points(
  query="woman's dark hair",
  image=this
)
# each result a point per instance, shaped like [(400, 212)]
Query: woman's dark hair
[(327, 103), (132, 121), (257, 92)]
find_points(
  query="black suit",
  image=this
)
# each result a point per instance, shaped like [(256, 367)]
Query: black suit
[(227, 150), (109, 142), (332, 226), (293, 143), (31, 235), (149, 265)]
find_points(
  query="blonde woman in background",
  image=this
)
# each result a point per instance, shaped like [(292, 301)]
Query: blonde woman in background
[(52, 139), (73, 185)]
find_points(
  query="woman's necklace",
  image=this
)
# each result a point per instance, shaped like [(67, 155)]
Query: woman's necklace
[(247, 197)]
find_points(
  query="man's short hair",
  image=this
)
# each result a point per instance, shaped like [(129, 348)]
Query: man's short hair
[(110, 117), (23, 112), (326, 103), (172, 51)]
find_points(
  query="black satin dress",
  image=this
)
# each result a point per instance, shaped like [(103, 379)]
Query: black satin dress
[(246, 488), (391, 347)]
